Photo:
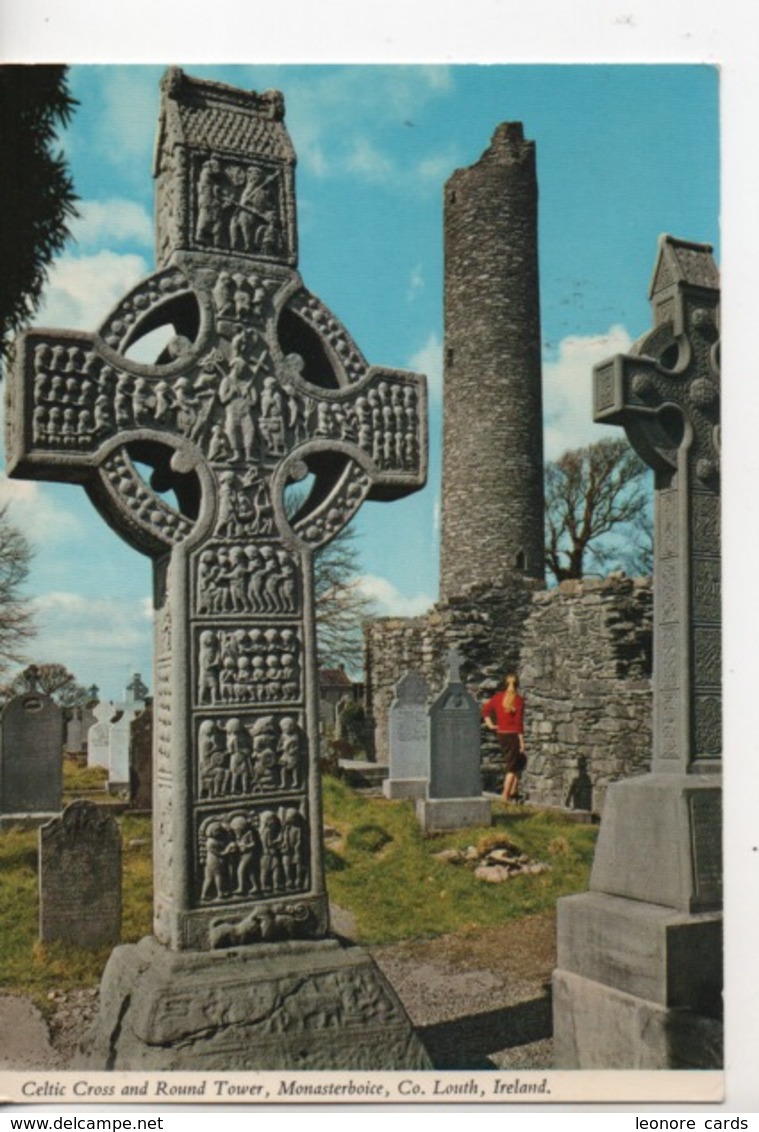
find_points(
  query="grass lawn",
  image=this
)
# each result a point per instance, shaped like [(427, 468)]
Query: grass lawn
[(30, 967), (385, 872), (379, 867)]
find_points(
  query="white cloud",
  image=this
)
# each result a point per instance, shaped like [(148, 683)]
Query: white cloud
[(429, 360), (365, 160), (112, 221), (41, 518), (100, 640), (323, 115), (81, 290), (568, 390), (437, 167), (389, 601), (129, 116)]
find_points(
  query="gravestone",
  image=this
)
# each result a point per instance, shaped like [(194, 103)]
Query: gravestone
[(80, 877), (141, 761), (639, 962), (31, 759), (77, 730), (258, 386), (409, 730), (454, 793), (98, 736), (119, 735), (137, 691)]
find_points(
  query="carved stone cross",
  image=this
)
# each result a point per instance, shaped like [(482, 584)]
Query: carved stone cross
[(666, 395), (257, 386)]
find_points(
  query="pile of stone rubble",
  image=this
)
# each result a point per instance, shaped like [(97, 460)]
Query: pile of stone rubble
[(496, 864)]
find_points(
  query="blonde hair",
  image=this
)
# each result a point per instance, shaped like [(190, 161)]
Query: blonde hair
[(510, 694)]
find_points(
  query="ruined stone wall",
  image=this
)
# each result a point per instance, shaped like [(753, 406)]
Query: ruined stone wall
[(583, 651), (485, 623), (586, 668)]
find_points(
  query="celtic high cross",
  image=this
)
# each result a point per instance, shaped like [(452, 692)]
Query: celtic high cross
[(257, 386), (666, 395)]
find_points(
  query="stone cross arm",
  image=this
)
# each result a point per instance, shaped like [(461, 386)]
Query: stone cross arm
[(82, 409), (665, 392)]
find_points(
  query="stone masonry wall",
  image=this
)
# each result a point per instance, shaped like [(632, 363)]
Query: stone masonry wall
[(485, 623), (586, 668), (583, 651)]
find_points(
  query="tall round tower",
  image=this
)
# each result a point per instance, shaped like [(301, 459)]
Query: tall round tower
[(492, 515)]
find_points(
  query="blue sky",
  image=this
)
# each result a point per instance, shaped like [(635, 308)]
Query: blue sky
[(624, 154)]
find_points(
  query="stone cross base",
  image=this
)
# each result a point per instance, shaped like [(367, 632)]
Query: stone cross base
[(638, 983), (661, 841), (399, 788), (600, 1027), (436, 815), (26, 821), (309, 1006)]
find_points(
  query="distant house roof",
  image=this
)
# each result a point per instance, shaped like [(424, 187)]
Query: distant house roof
[(334, 678)]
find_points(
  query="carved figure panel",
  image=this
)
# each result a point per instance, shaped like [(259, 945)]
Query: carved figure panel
[(253, 851), (240, 207), (248, 666), (249, 755), (246, 578)]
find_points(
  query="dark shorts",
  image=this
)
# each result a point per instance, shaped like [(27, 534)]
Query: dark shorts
[(509, 744)]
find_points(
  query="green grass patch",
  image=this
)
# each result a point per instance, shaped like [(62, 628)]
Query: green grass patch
[(33, 968), (405, 892), (379, 867), (78, 778)]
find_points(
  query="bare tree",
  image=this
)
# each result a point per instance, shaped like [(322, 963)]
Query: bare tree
[(340, 603), (341, 606), (53, 680), (598, 511), (16, 626), (36, 191)]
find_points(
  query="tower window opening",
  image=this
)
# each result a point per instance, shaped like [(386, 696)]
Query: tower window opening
[(520, 562)]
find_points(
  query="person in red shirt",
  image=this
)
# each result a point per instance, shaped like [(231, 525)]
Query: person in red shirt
[(504, 714)]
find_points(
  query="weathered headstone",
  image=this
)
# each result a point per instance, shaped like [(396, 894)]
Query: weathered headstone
[(454, 793), (639, 965), (258, 385), (119, 734), (141, 761), (409, 727), (98, 736), (80, 877), (31, 759)]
